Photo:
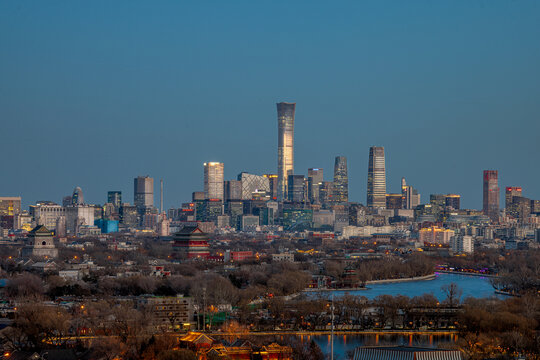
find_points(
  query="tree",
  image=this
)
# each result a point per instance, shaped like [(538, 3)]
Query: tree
[(453, 294), (25, 286)]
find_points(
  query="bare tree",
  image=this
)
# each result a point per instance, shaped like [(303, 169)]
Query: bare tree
[(453, 294)]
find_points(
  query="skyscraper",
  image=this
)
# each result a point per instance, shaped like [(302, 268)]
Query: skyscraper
[(115, 198), (273, 180), (213, 180), (376, 188), (411, 195), (143, 192), (232, 190), (491, 194), (285, 146), (511, 191), (77, 198), (252, 184), (341, 180), (315, 181), (453, 201), (295, 192)]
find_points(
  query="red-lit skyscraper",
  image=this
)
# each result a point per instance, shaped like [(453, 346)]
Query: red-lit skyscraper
[(511, 191), (491, 194)]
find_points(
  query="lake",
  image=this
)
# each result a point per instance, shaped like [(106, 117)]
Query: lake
[(346, 343), (472, 286)]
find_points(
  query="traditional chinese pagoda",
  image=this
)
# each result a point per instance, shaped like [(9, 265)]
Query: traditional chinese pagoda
[(191, 243)]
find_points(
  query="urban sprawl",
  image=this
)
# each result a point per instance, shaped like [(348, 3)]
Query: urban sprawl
[(259, 266)]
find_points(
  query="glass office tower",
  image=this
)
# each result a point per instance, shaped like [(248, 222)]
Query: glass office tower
[(341, 180), (285, 146), (376, 189)]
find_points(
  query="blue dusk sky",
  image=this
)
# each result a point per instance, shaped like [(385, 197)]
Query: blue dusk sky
[(94, 93)]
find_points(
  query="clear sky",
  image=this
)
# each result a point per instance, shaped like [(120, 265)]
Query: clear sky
[(95, 93)]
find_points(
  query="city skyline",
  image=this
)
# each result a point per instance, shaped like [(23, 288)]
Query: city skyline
[(405, 95)]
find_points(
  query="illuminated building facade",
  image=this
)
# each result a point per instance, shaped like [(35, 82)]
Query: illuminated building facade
[(213, 180), (273, 181), (285, 146), (435, 235), (315, 181), (453, 201), (411, 195), (295, 190), (10, 205), (253, 184), (491, 194), (341, 180), (511, 191), (376, 189)]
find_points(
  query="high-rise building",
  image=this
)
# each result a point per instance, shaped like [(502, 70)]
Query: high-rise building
[(143, 192), (295, 191), (315, 181), (10, 205), (411, 195), (341, 180), (394, 201), (285, 146), (535, 206), (253, 184), (77, 198), (376, 189), (273, 180), (326, 192), (519, 208), (453, 201), (491, 194), (47, 213), (115, 198), (511, 191), (438, 204), (213, 180), (232, 190), (66, 201), (77, 216), (128, 215), (462, 244), (197, 196)]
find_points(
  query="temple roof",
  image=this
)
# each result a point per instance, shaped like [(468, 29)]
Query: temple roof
[(40, 230)]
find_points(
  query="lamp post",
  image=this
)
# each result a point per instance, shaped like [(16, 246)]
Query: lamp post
[(332, 330)]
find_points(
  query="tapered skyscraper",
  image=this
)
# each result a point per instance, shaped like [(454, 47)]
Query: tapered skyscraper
[(285, 146), (491, 194), (341, 180), (376, 188)]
